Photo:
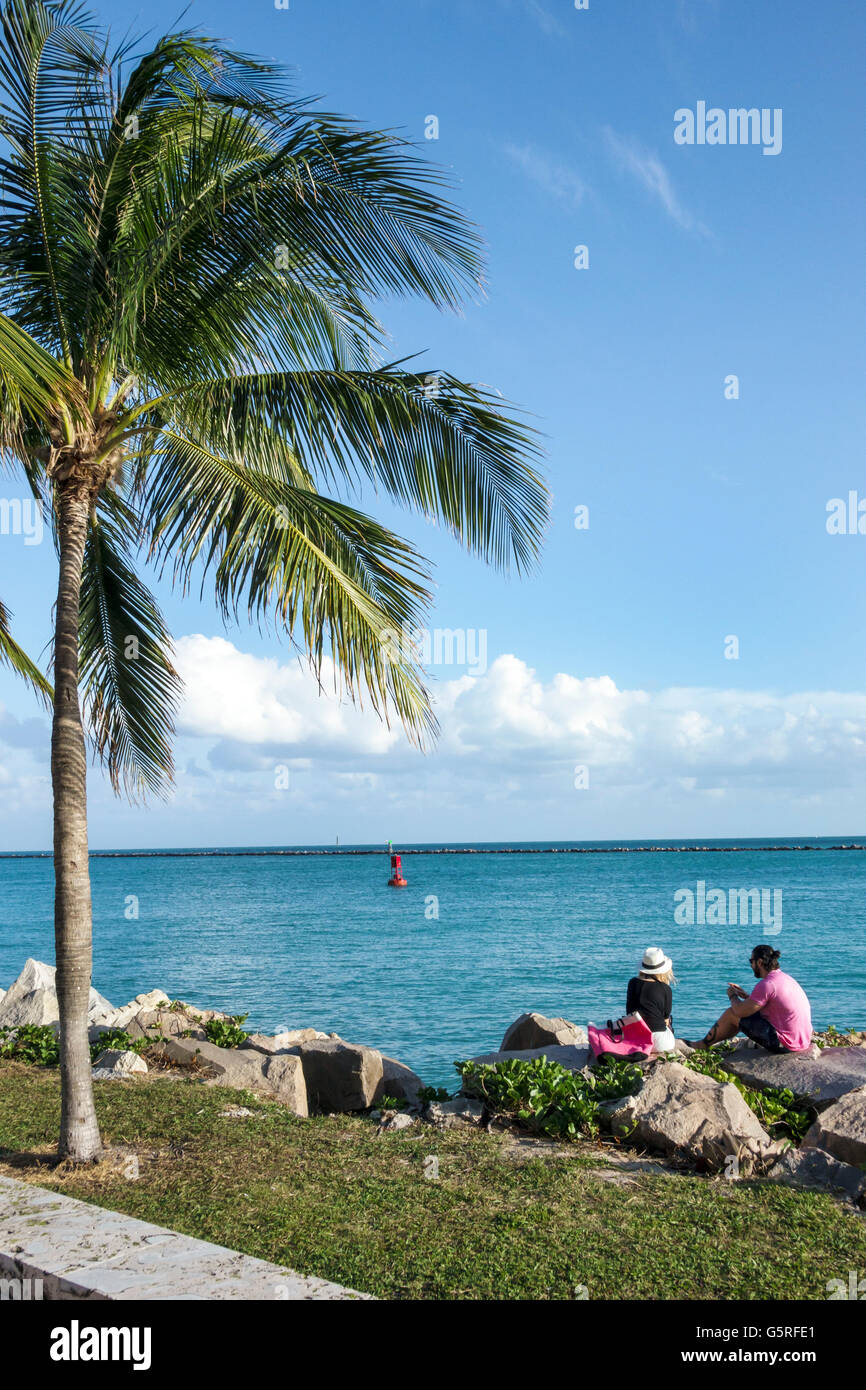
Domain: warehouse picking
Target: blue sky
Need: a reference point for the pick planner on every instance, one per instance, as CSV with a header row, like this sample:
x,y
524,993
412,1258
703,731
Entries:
x,y
706,515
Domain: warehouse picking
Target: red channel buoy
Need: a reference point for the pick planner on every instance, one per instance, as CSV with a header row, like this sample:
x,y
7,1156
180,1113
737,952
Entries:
x,y
396,880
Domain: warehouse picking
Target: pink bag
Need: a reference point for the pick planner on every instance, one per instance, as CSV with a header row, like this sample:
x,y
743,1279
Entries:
x,y
634,1039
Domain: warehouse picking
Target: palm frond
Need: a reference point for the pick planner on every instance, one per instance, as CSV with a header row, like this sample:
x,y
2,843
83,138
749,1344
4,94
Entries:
x,y
347,585
33,384
431,442
13,656
54,107
129,684
223,205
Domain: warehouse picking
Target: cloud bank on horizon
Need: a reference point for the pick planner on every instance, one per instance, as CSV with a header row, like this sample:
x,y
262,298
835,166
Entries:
x,y
259,738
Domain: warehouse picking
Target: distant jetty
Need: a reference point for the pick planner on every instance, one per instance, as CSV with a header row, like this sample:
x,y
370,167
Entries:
x,y
444,849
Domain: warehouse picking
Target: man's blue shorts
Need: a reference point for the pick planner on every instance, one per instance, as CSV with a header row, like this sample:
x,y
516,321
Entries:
x,y
761,1031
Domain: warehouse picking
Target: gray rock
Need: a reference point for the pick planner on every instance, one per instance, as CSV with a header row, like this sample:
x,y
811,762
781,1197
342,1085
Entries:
x,y
284,1078
282,1042
682,1113
341,1076
171,1023
98,1009
841,1129
572,1057
815,1168
397,1120
821,1079
37,1008
741,1044
452,1114
116,1065
127,1012
95,1030
398,1081
281,1078
535,1031
32,999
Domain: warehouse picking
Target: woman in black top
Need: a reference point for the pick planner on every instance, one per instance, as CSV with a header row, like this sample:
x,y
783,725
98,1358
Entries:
x,y
650,995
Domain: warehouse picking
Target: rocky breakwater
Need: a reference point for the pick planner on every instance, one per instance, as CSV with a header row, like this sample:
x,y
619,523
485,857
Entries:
x,y
681,1113
695,1119
305,1069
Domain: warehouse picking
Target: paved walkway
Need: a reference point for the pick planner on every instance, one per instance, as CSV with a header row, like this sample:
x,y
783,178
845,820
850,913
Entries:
x,y
84,1252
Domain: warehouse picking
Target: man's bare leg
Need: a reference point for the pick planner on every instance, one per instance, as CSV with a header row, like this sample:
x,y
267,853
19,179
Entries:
x,y
726,1027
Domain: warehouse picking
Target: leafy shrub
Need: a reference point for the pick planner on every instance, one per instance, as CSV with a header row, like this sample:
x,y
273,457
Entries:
x,y
428,1093
117,1038
615,1077
392,1103
776,1107
546,1098
226,1032
34,1043
40,1044
838,1037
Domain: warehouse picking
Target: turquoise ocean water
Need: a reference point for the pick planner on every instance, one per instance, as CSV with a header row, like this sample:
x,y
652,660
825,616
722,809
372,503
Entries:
x,y
322,941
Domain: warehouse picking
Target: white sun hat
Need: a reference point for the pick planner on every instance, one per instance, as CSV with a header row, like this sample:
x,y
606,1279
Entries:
x,y
655,962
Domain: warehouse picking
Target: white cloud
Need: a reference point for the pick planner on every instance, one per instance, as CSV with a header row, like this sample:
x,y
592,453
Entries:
x,y
679,761
548,172
522,724
545,20
646,166
256,700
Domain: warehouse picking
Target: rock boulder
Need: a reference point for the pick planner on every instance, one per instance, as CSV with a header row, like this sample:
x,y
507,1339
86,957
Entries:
x,y
32,999
116,1065
282,1042
281,1077
822,1079
815,1168
682,1113
142,1002
171,1023
341,1076
399,1081
841,1129
454,1114
534,1031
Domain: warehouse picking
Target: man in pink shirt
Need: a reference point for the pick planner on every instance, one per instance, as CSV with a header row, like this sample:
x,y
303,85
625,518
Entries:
x,y
776,1014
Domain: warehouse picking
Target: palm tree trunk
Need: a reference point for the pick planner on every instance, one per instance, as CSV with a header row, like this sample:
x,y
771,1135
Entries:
x,y
79,1131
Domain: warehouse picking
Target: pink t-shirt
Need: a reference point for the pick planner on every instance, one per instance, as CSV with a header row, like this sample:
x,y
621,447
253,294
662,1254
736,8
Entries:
x,y
784,1004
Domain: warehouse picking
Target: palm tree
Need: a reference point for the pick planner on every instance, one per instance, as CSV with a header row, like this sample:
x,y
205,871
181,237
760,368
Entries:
x,y
192,376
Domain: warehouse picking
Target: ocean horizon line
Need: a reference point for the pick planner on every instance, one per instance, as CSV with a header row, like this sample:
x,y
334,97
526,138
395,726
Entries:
x,y
672,845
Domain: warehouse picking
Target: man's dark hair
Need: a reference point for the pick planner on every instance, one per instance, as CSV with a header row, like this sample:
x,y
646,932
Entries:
x,y
766,955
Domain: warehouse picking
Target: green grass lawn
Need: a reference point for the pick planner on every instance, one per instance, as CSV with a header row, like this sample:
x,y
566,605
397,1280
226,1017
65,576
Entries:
x,y
328,1197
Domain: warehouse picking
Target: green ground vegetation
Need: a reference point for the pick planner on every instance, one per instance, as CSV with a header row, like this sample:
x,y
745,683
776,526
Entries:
x,y
429,1214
